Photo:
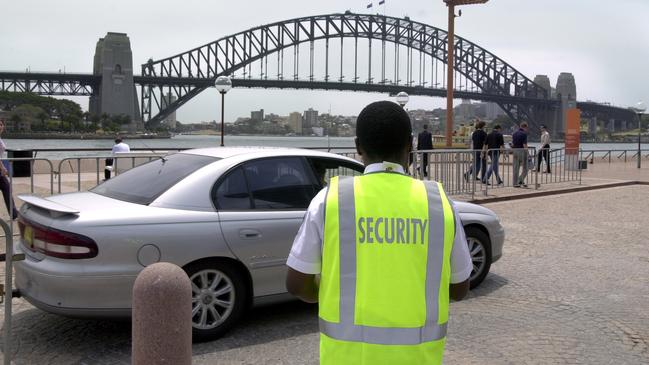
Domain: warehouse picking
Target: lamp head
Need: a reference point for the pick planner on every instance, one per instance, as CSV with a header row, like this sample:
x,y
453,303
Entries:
x,y
223,84
402,98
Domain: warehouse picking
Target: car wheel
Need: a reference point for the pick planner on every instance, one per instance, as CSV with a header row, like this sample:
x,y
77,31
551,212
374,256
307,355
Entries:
x,y
219,297
480,251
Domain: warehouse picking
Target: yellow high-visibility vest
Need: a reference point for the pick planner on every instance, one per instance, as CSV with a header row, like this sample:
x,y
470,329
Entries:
x,y
384,289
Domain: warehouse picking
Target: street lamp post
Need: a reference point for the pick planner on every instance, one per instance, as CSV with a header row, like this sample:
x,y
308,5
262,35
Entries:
x,y
402,99
450,51
640,109
223,84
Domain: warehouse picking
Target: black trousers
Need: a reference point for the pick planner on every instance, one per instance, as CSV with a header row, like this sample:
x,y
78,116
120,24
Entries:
x,y
544,153
6,194
424,164
109,162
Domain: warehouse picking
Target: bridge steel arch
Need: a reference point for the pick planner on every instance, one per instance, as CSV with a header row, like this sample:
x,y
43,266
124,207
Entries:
x,y
487,73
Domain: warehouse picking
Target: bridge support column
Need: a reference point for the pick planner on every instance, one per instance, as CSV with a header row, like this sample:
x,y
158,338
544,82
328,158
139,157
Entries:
x,y
566,92
116,95
610,127
592,126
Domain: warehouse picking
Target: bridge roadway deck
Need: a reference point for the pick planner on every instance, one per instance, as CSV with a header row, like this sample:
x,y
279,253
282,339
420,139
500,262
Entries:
x,y
570,289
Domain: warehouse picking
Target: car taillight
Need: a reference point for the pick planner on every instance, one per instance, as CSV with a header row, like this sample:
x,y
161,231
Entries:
x,y
54,242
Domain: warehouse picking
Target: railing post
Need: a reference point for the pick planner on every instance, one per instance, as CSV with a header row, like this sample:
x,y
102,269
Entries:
x,y
9,253
162,316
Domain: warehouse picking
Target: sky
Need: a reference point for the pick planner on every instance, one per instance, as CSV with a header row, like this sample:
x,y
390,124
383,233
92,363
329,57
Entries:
x,y
604,44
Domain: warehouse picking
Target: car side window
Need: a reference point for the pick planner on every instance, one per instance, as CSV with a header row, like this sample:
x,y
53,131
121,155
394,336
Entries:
x,y
232,193
279,183
326,168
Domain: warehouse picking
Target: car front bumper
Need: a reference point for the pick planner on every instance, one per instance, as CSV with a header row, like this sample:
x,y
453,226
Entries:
x,y
497,242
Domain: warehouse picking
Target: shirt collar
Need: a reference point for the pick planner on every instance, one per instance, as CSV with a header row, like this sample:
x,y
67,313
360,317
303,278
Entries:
x,y
384,166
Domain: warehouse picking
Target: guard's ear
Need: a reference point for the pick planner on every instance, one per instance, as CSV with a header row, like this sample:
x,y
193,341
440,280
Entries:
x,y
359,150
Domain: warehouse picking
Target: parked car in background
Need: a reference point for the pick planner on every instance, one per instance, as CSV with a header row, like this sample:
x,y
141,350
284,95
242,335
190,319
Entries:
x,y
227,216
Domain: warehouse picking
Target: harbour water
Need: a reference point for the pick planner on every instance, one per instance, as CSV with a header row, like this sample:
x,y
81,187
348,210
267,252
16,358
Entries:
x,y
200,141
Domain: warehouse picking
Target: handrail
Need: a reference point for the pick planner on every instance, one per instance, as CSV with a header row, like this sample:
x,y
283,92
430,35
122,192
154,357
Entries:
x,y
9,254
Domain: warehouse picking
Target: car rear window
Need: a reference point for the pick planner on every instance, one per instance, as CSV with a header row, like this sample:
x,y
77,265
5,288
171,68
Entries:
x,y
143,184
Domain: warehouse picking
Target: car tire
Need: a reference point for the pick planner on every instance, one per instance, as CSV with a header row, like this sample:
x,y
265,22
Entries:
x,y
480,251
219,297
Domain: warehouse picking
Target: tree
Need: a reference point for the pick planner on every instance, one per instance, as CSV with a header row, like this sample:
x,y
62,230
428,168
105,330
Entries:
x,y
505,122
43,117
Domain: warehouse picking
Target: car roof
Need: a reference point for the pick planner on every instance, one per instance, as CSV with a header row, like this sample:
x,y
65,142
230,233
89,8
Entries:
x,y
261,151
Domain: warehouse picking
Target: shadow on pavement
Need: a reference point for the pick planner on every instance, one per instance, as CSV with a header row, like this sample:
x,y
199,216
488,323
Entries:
x,y
266,324
493,282
40,337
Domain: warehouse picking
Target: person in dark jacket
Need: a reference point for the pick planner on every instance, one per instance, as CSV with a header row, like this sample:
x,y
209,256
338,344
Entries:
x,y
519,145
478,139
424,142
494,146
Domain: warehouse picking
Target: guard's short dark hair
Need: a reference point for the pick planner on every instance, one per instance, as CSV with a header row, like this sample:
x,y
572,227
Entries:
x,y
118,140
497,126
383,129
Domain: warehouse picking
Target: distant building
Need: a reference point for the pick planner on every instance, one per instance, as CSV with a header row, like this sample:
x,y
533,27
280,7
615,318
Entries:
x,y
493,110
466,110
257,115
310,119
170,120
295,122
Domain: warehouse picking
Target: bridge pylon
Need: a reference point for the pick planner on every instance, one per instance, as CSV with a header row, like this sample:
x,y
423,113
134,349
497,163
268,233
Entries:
x,y
116,93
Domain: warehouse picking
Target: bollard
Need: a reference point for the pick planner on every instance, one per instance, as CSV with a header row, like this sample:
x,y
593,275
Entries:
x,y
162,319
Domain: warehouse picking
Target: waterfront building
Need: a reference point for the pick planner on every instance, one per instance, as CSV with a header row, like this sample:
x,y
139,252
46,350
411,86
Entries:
x,y
295,122
257,115
310,120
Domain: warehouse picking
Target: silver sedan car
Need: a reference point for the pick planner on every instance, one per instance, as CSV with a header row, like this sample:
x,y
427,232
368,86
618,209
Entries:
x,y
227,216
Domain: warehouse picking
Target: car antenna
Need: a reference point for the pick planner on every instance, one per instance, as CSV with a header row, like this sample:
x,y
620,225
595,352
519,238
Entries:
x,y
153,151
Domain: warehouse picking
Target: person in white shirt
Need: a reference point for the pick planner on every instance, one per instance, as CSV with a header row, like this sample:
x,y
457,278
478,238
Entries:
x,y
544,152
5,185
117,148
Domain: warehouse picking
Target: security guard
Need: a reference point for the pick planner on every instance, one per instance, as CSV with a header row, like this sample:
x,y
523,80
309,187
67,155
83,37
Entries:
x,y
389,251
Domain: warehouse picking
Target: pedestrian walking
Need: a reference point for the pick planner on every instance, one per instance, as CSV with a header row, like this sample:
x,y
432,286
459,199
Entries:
x,y
5,185
519,145
494,146
544,151
478,139
424,142
119,147
381,253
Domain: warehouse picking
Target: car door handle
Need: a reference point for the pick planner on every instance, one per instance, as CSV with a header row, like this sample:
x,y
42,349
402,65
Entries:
x,y
248,234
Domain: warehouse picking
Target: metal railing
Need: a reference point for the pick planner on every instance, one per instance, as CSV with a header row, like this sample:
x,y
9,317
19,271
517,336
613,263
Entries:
x,y
468,172
612,155
453,168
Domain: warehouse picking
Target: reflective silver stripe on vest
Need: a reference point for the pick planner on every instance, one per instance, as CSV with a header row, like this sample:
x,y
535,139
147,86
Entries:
x,y
346,330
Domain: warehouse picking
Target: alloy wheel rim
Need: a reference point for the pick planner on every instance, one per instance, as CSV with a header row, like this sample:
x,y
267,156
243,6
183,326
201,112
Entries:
x,y
478,256
213,298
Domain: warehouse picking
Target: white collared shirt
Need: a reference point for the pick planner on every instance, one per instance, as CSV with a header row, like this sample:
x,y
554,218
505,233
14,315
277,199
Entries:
x,y
306,253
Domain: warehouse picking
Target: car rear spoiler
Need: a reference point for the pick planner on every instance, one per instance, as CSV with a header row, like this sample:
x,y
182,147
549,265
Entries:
x,y
54,208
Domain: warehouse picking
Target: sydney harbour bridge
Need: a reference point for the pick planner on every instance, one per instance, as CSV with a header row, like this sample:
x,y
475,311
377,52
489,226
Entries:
x,y
348,52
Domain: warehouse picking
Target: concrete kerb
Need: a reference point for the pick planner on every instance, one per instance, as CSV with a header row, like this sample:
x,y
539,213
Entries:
x,y
537,194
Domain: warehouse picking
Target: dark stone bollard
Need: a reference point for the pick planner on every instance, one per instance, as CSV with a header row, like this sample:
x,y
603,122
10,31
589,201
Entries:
x,y
162,324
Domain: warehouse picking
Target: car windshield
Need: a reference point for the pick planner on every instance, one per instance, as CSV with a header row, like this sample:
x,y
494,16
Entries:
x,y
143,184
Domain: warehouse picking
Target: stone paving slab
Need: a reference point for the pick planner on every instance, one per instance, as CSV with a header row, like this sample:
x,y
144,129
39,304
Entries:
x,y
570,289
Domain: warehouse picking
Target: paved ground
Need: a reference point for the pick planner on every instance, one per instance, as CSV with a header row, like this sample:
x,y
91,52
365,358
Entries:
x,y
570,289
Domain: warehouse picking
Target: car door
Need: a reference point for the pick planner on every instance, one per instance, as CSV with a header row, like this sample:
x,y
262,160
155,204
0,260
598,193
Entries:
x,y
261,205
